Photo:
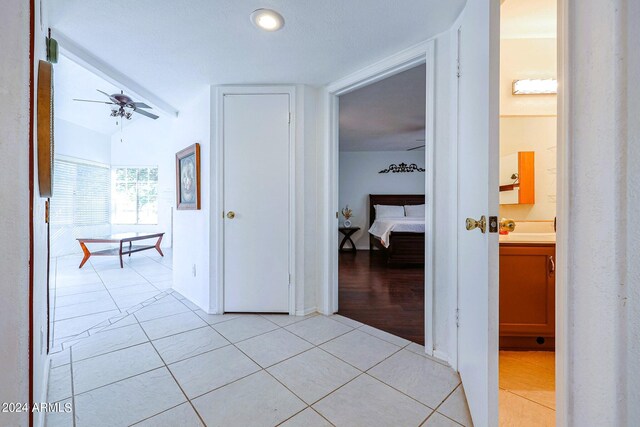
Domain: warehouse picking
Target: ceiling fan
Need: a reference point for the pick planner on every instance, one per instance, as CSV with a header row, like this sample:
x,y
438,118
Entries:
x,y
123,106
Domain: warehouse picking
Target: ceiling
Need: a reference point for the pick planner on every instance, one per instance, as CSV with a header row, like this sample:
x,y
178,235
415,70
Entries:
x,y
71,81
527,19
174,48
388,115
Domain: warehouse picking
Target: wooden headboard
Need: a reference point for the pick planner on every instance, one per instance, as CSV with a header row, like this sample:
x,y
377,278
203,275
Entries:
x,y
392,199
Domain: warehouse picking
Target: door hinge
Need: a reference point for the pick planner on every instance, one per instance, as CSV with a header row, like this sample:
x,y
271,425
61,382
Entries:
x,y
337,215
457,317
458,73
289,118
289,278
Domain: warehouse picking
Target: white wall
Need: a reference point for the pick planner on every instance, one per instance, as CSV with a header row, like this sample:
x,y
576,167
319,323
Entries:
x,y
599,352
191,236
149,143
306,191
79,143
359,176
14,219
527,59
82,143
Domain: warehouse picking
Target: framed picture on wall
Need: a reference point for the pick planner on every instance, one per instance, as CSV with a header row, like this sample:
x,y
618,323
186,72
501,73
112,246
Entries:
x,y
188,178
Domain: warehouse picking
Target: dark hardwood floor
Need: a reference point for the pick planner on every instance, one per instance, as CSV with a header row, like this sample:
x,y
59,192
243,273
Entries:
x,y
390,298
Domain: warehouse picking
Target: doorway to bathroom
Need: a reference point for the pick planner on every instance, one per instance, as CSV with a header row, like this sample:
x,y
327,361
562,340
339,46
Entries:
x,y
528,140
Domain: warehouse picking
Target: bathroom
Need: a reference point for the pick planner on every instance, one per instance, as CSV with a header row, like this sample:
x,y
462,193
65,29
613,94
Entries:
x,y
528,135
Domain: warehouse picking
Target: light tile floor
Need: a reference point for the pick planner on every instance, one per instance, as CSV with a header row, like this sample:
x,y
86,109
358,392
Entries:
x,y
527,388
82,298
171,364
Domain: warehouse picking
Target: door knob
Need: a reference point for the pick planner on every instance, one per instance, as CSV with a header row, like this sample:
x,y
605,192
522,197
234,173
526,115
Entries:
x,y
507,225
231,214
481,224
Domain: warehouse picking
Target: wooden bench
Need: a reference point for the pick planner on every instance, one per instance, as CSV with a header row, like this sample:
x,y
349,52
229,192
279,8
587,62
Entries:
x,y
121,239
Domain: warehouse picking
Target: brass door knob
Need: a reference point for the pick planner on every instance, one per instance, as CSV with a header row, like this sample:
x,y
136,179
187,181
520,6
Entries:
x,y
231,214
507,225
481,224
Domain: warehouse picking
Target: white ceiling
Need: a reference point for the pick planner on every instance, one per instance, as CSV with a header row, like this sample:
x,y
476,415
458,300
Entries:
x,y
527,19
388,115
73,81
175,48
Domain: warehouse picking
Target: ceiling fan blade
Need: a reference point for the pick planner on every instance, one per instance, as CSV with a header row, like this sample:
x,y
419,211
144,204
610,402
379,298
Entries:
x,y
89,100
146,113
140,105
114,100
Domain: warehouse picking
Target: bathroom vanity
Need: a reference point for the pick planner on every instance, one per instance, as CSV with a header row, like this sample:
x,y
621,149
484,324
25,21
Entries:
x,y
527,291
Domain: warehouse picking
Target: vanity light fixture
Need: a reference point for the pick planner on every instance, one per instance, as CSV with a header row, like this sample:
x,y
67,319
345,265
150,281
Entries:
x,y
267,19
535,87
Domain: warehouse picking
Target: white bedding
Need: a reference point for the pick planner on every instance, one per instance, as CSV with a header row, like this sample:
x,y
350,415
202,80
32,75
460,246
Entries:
x,y
381,228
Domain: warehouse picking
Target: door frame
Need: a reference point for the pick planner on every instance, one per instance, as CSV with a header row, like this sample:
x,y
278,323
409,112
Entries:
x,y
422,53
217,188
563,186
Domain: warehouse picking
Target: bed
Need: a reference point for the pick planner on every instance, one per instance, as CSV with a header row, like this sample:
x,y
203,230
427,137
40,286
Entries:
x,y
402,247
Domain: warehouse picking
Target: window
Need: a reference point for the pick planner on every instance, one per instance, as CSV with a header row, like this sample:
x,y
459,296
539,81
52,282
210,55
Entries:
x,y
134,195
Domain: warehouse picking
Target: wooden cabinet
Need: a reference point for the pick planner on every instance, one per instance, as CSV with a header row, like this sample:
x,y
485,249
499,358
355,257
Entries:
x,y
527,296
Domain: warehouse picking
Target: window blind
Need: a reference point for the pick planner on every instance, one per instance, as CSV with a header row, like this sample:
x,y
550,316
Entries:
x,y
81,194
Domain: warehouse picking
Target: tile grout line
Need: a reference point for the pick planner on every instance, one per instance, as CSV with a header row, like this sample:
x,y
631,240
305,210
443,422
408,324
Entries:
x,y
277,380
530,400
442,403
172,376
77,337
73,393
105,286
281,361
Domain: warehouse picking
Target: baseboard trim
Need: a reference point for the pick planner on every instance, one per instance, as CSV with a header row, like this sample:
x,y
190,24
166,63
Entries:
x,y
442,356
306,311
43,398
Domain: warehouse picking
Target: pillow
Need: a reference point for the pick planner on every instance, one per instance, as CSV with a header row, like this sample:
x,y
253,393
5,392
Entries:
x,y
414,211
389,211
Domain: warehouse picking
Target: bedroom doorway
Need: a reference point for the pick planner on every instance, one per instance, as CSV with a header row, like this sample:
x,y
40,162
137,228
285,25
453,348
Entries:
x,y
381,187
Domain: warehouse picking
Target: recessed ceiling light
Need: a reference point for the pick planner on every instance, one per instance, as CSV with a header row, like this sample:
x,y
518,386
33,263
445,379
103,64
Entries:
x,y
267,19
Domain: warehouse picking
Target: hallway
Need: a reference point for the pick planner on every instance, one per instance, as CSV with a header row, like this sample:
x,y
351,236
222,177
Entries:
x,y
170,363
81,298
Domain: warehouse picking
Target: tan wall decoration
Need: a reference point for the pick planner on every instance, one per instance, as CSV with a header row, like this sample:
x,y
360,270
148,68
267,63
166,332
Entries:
x,y
45,128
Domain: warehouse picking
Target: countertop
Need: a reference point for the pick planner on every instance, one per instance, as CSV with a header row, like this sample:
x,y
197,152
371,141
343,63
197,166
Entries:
x,y
529,238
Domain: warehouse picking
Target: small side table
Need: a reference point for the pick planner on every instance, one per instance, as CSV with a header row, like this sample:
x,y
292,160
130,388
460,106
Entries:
x,y
347,232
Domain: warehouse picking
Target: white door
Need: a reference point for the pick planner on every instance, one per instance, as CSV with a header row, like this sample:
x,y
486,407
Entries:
x,y
256,202
478,169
